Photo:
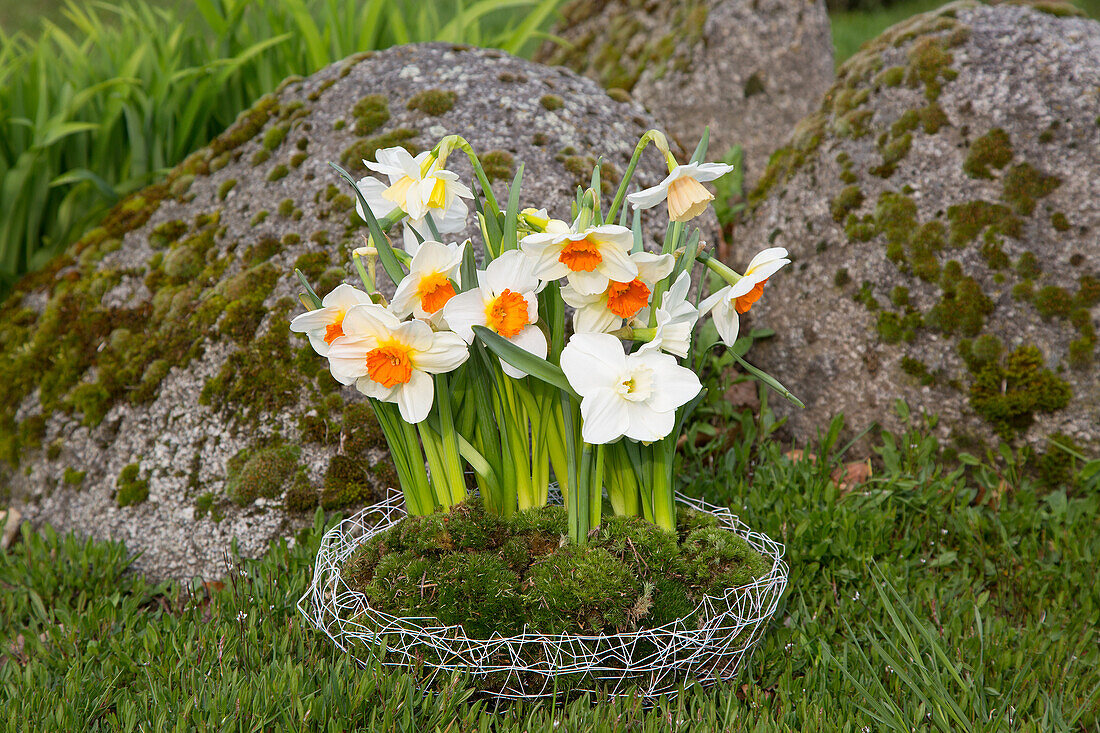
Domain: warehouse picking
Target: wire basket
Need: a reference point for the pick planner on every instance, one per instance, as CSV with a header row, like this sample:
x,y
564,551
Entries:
x,y
645,663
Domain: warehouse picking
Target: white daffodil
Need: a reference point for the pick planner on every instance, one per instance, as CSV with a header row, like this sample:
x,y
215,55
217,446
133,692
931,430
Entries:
x,y
604,312
506,302
590,257
635,395
683,189
676,318
325,324
428,287
393,361
738,298
420,187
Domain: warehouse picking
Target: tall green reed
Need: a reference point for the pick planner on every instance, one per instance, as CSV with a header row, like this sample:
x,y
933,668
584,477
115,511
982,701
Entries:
x,y
104,106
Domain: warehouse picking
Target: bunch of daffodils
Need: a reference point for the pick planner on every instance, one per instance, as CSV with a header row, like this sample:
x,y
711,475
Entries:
x,y
476,371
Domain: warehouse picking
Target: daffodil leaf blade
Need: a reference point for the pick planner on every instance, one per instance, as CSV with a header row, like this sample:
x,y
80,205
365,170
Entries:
x,y
523,360
385,251
768,380
309,290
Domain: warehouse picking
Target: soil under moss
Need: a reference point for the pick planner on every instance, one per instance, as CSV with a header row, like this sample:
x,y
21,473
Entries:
x,y
495,575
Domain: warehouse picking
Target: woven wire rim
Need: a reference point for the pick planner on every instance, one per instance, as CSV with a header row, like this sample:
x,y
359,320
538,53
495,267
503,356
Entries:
x,y
645,663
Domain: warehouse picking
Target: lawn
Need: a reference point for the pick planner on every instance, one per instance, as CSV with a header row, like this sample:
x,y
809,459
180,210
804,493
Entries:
x,y
928,597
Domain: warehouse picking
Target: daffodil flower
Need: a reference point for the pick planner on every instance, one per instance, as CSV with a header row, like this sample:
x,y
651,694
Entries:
x,y
325,324
420,187
606,311
635,395
590,257
739,297
392,361
683,189
506,302
675,318
428,287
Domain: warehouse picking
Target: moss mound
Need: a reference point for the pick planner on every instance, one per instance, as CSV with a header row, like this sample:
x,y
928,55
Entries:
x,y
495,575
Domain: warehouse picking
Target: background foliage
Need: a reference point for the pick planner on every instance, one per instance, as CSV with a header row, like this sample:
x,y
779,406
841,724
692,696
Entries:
x,y
105,102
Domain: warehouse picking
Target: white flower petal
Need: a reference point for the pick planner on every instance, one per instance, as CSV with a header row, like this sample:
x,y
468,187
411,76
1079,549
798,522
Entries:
x,y
726,321
369,320
588,283
649,197
464,311
448,351
532,340
414,398
653,267
676,385
710,171
646,424
593,361
605,417
767,255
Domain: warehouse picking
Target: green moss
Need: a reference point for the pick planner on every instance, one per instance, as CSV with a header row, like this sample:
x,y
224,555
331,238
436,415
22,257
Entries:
x,y
131,488
167,233
259,252
1059,221
74,477
619,95
259,378
1088,291
929,64
203,504
225,188
260,217
1053,301
993,149
753,85
841,278
245,294
865,296
278,172
717,559
370,113
899,296
848,199
788,160
1027,266
893,328
1008,394
260,157
346,483
312,264
264,472
980,352
1023,184
353,157
918,370
434,102
247,126
286,208
360,429
969,219
962,307
860,229
297,159
301,497
893,152
499,165
893,76
551,102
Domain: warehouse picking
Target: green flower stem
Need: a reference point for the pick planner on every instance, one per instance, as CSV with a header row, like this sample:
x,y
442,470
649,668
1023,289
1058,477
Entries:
x,y
672,240
621,481
620,194
595,488
433,451
719,268
452,142
664,509
407,457
452,464
366,277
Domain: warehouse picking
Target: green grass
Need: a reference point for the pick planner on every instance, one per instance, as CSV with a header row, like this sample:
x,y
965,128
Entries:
x,y
852,28
109,100
927,598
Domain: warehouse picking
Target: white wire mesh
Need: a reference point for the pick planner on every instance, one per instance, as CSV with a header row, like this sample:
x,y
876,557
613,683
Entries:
x,y
646,663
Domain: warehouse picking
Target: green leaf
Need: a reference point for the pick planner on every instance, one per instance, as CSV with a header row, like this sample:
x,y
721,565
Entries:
x,y
769,380
381,243
524,360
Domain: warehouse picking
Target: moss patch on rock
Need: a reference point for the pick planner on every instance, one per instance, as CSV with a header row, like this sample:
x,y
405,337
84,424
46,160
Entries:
x,y
495,575
264,472
130,488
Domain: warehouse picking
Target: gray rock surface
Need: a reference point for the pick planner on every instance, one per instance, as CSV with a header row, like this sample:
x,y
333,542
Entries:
x,y
969,136
149,388
749,70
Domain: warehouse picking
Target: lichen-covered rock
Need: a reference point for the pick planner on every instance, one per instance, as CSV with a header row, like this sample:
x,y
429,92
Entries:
x,y
942,210
749,70
150,389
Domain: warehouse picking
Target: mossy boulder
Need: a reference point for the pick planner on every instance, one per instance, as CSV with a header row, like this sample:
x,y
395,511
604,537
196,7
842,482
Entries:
x,y
747,70
942,213
161,338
